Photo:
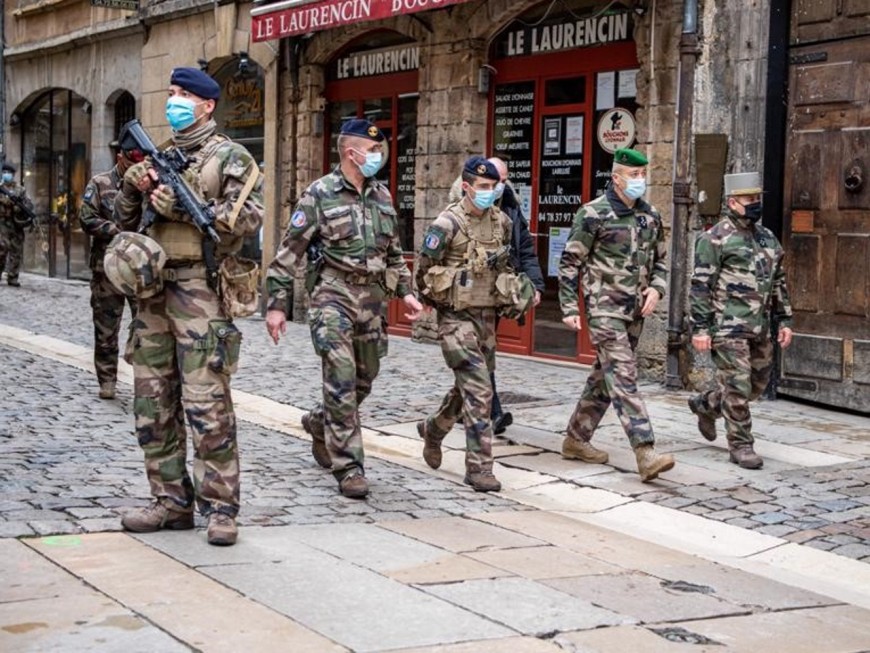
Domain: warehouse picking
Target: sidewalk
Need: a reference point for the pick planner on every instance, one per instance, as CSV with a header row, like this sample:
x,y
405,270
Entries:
x,y
568,557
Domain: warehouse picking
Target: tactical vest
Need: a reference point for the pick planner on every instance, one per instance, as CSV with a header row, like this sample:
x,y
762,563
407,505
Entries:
x,y
182,241
474,279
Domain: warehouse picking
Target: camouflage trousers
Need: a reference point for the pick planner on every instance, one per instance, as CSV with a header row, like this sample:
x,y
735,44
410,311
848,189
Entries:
x,y
743,372
11,249
613,380
183,351
349,333
468,345
107,305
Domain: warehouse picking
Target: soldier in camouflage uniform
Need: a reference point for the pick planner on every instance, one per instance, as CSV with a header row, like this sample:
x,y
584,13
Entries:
x,y
617,248
347,222
12,225
183,346
107,303
738,283
452,275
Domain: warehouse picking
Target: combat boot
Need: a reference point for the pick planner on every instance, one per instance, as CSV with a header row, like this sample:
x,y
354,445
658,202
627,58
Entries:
x,y
650,464
318,444
354,486
157,517
500,423
107,390
745,456
482,481
14,283
431,447
706,424
574,449
222,529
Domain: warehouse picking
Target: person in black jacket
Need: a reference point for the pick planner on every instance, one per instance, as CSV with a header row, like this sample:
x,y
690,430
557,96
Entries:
x,y
523,259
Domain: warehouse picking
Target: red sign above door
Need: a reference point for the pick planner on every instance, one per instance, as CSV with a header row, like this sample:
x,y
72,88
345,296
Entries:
x,y
304,16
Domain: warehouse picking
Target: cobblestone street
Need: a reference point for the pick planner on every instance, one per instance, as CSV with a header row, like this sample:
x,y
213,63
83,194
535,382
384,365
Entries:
x,y
826,506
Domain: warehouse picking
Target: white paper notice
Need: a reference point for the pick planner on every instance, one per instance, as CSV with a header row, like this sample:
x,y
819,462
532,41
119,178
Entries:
x,y
558,238
574,135
628,83
525,194
604,95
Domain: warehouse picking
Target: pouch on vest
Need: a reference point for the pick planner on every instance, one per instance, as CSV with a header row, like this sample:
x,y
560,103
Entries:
x,y
239,281
180,240
438,282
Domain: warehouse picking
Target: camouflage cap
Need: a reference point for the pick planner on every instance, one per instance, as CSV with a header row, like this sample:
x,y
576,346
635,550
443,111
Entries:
x,y
631,158
743,183
133,264
522,292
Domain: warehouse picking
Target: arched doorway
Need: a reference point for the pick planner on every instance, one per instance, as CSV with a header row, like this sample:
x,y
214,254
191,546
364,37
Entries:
x,y
240,115
56,131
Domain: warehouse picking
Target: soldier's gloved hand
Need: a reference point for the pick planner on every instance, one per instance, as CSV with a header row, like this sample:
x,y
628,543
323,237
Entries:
x,y
163,200
5,201
139,177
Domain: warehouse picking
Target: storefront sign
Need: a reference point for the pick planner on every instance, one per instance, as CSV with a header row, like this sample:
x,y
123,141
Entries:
x,y
243,103
294,17
565,35
616,129
126,5
376,62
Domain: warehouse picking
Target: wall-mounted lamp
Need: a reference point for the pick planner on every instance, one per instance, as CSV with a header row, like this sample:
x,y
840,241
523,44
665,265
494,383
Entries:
x,y
640,7
203,65
244,64
14,119
484,76
86,108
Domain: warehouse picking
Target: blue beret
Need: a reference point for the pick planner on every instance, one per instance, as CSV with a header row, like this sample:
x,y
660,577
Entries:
x,y
630,158
480,167
362,128
8,166
197,82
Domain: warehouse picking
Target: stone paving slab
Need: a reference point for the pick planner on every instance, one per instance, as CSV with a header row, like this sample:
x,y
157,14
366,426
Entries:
x,y
143,580
631,638
508,645
527,606
542,562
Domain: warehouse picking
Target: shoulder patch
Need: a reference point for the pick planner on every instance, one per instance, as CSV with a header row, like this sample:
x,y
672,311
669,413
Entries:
x,y
89,193
298,219
432,241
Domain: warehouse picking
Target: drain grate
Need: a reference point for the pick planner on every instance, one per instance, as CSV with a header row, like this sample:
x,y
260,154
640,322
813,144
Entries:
x,y
683,636
509,398
684,586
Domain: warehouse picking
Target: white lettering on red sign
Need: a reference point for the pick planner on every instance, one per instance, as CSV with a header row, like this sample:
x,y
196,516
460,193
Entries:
x,y
334,13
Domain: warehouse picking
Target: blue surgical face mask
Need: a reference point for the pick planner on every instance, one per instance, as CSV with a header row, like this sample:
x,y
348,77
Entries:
x,y
483,199
8,177
372,164
499,190
180,112
634,188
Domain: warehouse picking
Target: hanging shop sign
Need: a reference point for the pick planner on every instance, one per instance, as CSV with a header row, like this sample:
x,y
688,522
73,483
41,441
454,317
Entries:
x,y
294,17
384,61
616,129
568,33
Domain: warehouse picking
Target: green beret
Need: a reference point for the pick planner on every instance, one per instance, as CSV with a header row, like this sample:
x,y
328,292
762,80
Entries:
x,y
629,157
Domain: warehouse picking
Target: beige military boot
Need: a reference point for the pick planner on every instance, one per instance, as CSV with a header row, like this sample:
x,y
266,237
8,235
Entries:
x,y
157,517
482,481
574,449
650,464
431,447
744,455
318,444
354,486
107,390
222,529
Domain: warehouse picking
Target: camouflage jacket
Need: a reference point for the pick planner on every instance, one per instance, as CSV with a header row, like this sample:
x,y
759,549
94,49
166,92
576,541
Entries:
x,y
96,213
358,234
8,210
619,252
220,168
738,281
446,241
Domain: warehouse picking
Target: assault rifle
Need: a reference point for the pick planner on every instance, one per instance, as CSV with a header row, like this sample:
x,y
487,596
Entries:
x,y
21,205
170,165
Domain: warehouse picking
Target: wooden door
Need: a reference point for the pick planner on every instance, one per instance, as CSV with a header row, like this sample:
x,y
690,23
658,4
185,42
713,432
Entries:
x,y
826,231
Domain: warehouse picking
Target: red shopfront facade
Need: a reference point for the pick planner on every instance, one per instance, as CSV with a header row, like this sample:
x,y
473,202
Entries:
x,y
562,99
